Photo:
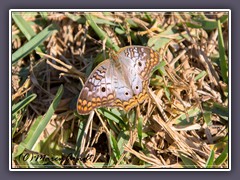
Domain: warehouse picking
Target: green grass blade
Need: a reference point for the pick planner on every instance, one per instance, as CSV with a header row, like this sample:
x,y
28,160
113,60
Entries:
x,y
114,145
200,75
191,114
223,61
20,105
110,115
23,25
188,163
44,15
33,43
123,138
210,160
39,125
222,157
205,23
218,109
102,35
80,136
157,42
139,128
207,116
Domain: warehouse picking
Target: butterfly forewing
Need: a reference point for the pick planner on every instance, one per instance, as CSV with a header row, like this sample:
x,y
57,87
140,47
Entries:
x,y
97,90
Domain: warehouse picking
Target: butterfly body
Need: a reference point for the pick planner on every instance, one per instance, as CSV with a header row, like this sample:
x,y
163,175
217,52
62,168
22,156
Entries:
x,y
119,82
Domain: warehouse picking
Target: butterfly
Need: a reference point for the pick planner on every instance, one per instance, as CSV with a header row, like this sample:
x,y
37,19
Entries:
x,y
121,81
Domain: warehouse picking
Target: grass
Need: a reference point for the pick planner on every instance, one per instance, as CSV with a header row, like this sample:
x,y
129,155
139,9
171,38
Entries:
x,y
183,124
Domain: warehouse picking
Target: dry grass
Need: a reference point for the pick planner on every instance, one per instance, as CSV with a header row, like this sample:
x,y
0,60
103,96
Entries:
x,y
184,123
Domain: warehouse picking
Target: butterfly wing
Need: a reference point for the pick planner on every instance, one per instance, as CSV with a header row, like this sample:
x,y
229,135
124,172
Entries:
x,y
97,90
103,88
137,62
139,59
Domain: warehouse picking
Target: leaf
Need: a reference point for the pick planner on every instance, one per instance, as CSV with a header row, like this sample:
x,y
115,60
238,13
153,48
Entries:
x,y
222,157
102,35
23,25
123,138
110,115
39,125
159,41
80,136
188,163
114,145
218,109
139,128
33,43
223,61
183,119
200,75
20,105
207,117
205,23
210,160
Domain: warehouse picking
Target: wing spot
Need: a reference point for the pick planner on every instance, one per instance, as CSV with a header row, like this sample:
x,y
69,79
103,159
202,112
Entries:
x,y
79,101
89,104
139,64
79,108
104,99
86,109
98,99
84,102
110,97
103,89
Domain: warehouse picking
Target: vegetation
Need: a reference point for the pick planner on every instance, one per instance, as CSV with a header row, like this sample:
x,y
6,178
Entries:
x,y
183,124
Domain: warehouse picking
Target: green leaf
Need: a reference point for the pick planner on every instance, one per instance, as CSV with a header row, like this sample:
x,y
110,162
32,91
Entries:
x,y
44,15
120,31
123,138
222,157
200,75
188,163
207,117
210,160
49,146
131,23
218,109
205,23
80,136
20,105
23,25
39,125
158,42
102,35
78,19
33,43
110,115
223,61
139,128
114,145
167,93
183,119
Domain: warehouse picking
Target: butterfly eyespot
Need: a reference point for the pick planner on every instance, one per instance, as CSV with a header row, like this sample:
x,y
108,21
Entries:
x,y
126,93
139,64
103,89
136,87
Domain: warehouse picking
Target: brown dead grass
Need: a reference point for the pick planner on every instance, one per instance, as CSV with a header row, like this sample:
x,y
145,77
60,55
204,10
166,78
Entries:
x,y
68,56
